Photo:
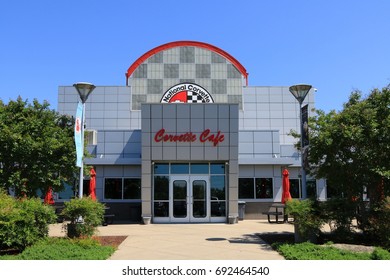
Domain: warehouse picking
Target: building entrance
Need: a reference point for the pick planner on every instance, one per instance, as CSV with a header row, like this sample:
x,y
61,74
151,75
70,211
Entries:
x,y
189,199
189,192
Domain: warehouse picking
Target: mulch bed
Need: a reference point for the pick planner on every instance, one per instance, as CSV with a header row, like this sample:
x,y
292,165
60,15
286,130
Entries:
x,y
113,241
9,251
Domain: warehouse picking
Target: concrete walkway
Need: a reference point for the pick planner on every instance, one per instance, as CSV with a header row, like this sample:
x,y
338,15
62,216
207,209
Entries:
x,y
191,241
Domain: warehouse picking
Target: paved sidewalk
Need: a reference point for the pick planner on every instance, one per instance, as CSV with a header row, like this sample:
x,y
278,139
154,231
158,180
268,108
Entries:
x,y
191,241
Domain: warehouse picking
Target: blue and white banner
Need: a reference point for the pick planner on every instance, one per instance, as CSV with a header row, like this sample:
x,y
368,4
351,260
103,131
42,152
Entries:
x,y
78,136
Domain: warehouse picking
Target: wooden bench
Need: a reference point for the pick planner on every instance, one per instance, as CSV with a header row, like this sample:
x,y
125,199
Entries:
x,y
108,219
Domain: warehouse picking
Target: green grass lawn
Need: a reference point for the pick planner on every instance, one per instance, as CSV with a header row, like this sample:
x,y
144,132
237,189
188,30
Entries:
x,y
56,248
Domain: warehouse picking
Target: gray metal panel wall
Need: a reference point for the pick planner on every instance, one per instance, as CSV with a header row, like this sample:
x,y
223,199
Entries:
x,y
272,108
108,107
118,144
179,119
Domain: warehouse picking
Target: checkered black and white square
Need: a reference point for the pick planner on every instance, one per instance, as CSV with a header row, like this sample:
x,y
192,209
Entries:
x,y
193,97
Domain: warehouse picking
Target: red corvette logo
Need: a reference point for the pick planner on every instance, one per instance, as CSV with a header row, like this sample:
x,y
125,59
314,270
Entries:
x,y
187,93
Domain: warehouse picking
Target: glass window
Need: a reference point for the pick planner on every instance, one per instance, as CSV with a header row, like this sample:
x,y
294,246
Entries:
x,y
132,188
295,188
311,189
218,208
161,187
264,188
67,193
218,191
199,168
217,168
161,209
180,168
161,168
161,196
113,188
199,188
217,188
246,188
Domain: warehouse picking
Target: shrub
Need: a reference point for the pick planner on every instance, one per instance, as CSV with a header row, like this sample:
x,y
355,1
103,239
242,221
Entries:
x,y
380,254
23,222
307,221
379,226
84,214
309,251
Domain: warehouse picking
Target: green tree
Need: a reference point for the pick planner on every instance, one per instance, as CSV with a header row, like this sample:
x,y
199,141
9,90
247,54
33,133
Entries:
x,y
351,148
36,147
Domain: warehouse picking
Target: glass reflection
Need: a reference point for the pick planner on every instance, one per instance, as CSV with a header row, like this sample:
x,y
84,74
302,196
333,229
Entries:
x,y
161,209
161,168
199,207
180,199
199,168
217,168
161,187
217,187
180,168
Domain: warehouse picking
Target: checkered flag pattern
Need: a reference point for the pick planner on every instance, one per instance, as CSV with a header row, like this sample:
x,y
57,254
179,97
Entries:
x,y
193,97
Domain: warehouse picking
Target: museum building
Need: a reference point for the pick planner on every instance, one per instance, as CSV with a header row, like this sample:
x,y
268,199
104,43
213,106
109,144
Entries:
x,y
187,139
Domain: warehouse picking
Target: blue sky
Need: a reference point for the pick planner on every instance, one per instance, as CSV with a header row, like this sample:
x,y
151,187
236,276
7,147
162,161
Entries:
x,y
337,46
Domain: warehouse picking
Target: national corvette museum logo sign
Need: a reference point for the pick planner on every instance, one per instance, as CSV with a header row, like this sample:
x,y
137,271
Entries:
x,y
187,93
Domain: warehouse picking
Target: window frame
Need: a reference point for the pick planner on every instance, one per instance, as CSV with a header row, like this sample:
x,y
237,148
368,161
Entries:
x,y
254,198
122,190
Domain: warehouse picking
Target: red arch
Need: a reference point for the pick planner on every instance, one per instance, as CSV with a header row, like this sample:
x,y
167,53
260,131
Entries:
x,y
171,45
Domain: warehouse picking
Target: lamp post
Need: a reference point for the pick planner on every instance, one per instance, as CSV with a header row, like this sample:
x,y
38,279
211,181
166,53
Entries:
x,y
84,90
300,92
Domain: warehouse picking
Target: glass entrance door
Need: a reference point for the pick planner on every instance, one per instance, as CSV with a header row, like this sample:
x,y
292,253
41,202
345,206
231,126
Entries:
x,y
189,199
180,199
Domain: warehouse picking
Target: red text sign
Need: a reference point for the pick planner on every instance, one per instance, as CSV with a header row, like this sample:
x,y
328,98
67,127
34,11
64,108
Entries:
x,y
205,136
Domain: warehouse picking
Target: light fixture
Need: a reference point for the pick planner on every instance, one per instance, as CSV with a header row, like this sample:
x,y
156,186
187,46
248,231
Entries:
x,y
299,92
84,90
